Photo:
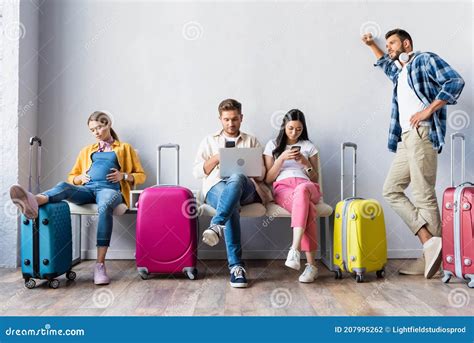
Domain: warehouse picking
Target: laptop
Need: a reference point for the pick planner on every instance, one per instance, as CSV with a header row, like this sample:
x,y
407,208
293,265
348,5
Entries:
x,y
247,161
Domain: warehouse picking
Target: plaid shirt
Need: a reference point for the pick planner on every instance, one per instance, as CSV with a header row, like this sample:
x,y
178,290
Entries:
x,y
432,79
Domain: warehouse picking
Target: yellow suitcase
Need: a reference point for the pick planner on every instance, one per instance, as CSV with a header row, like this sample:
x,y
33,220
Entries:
x,y
359,242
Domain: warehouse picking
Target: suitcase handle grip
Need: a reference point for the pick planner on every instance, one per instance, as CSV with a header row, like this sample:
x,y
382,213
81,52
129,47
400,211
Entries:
x,y
33,140
158,161
354,162
349,145
169,145
463,156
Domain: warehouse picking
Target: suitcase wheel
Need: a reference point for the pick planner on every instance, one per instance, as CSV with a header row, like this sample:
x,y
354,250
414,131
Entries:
x,y
359,278
70,275
30,284
143,275
191,274
338,275
380,273
446,278
53,283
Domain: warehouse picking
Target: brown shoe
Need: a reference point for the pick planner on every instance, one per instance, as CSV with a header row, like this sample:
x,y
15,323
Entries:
x,y
414,267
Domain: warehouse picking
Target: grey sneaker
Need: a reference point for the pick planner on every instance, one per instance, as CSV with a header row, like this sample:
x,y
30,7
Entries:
x,y
100,275
211,235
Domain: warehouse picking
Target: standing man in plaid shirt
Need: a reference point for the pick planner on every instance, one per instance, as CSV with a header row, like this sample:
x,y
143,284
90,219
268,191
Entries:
x,y
423,85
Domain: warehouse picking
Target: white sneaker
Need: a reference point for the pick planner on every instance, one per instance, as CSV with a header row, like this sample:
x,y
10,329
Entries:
x,y
293,259
310,273
211,235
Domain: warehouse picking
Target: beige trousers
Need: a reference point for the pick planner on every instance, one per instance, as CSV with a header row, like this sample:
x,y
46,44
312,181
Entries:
x,y
415,164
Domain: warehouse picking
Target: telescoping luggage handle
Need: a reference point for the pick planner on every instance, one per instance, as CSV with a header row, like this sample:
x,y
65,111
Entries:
x,y
158,161
34,140
343,147
463,157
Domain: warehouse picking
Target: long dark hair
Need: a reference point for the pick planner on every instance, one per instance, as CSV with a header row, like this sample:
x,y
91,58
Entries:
x,y
103,118
282,139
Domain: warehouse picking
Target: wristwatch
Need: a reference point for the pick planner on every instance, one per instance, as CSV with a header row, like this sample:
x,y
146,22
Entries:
x,y
309,170
125,176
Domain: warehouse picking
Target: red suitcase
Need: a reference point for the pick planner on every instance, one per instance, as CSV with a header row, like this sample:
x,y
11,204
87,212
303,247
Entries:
x,y
166,236
458,225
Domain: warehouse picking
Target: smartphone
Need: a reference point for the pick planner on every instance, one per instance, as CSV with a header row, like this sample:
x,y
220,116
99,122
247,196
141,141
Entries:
x,y
296,148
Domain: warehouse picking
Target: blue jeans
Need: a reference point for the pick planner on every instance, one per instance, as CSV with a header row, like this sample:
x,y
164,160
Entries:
x,y
226,197
107,199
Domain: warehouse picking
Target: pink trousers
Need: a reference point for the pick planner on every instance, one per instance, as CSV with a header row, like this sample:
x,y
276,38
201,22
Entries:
x,y
299,197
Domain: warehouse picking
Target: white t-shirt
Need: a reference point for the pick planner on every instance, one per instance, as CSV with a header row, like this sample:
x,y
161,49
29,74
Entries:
x,y
408,102
292,168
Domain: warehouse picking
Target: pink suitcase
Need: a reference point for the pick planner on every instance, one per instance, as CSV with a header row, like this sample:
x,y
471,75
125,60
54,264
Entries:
x,y
166,236
458,225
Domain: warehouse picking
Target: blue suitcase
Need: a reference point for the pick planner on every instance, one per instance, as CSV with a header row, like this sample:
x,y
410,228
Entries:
x,y
46,242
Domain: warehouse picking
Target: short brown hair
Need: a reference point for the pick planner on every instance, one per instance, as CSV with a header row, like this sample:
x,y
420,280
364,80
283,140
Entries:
x,y
402,34
230,105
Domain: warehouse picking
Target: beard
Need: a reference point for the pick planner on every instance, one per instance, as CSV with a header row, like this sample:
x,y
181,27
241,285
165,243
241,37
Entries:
x,y
397,54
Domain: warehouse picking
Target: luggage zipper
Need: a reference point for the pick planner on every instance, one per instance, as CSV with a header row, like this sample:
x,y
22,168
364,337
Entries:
x,y
344,233
36,248
457,230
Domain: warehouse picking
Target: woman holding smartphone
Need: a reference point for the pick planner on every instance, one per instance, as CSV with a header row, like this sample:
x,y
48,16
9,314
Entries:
x,y
291,165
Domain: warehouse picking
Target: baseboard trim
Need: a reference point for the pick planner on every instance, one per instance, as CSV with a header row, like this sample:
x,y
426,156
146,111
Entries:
x,y
111,254
251,255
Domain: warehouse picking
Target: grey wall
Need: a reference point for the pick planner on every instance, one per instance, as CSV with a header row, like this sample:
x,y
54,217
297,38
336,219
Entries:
x,y
19,68
9,81
161,68
28,87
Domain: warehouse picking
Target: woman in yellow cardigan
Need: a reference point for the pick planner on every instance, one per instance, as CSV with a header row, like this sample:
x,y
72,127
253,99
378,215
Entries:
x,y
103,173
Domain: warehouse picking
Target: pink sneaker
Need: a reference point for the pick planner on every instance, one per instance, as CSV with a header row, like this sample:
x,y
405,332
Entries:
x,y
100,275
25,201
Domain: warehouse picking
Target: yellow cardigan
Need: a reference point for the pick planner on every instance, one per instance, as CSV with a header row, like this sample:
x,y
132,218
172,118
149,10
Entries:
x,y
128,161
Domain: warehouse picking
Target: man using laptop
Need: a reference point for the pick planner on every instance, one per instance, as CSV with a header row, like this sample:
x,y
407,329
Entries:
x,y
227,194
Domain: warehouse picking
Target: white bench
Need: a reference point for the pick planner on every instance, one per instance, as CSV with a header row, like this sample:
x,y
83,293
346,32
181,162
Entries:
x,y
91,210
271,210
